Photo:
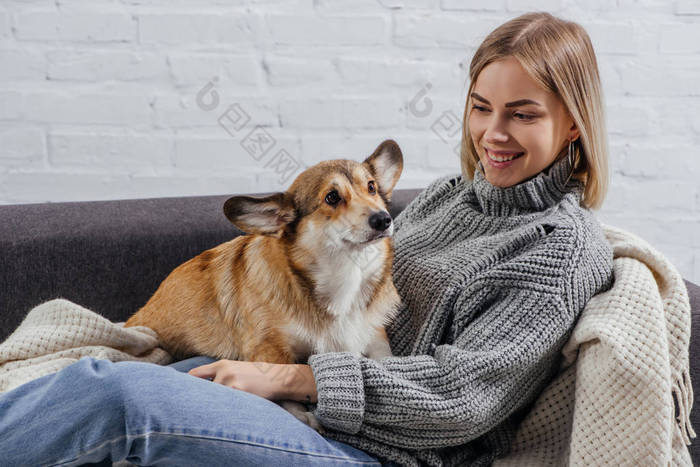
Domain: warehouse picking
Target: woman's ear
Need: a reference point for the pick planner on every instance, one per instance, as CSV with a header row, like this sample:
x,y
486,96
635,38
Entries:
x,y
574,134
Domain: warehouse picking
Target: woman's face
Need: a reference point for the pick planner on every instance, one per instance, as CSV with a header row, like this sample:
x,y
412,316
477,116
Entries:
x,y
518,128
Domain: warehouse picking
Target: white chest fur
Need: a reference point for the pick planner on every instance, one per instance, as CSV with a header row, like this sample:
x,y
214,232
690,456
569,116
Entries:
x,y
343,281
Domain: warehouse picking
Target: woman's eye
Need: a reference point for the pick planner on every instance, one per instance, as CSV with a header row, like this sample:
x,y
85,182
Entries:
x,y
521,116
371,187
480,108
332,198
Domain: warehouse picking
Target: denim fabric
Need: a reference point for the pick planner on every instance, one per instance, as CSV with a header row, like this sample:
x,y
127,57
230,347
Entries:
x,y
148,414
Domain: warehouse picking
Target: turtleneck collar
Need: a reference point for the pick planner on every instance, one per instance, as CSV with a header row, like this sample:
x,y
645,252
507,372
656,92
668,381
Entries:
x,y
537,194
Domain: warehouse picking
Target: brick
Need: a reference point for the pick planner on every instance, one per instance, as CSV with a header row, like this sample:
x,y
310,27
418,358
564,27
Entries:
x,y
202,4
671,196
609,76
343,7
284,6
219,151
109,107
674,119
650,6
332,30
115,151
626,119
668,77
183,111
41,187
102,65
415,4
319,147
282,71
197,69
441,155
202,185
22,146
687,7
435,114
22,64
473,5
526,5
660,228
612,38
361,112
75,25
5,28
11,105
199,28
680,38
379,73
448,31
694,121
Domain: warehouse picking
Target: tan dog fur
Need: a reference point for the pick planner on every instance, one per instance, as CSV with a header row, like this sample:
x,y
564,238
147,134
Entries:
x,y
298,283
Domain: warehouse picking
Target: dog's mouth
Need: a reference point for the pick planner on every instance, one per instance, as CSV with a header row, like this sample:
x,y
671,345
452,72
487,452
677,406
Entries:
x,y
371,239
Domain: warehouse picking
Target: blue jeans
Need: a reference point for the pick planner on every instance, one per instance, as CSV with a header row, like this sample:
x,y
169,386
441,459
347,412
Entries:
x,y
94,410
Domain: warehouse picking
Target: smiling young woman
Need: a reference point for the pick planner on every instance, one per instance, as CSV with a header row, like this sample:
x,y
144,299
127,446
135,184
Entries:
x,y
534,98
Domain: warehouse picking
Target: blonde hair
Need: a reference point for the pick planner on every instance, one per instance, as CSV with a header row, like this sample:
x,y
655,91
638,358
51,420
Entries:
x,y
559,56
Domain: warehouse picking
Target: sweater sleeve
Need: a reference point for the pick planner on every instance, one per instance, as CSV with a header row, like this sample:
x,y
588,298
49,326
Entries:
x,y
497,364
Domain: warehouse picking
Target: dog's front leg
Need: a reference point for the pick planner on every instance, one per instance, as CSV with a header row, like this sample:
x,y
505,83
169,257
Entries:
x,y
379,346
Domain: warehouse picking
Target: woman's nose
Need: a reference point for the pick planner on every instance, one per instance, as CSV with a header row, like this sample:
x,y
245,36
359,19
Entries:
x,y
495,131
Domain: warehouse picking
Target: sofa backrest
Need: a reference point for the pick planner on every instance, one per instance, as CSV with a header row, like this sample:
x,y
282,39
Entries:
x,y
110,256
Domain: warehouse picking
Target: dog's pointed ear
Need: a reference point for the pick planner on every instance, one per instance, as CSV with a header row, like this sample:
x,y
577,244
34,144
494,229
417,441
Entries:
x,y
386,164
260,215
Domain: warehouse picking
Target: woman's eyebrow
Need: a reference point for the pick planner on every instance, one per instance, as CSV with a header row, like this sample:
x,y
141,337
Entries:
x,y
479,98
522,102
509,104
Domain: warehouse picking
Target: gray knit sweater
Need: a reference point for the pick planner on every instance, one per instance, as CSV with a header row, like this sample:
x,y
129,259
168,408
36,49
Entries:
x,y
492,281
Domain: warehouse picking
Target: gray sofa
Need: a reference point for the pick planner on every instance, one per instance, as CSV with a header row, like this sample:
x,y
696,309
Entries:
x,y
110,256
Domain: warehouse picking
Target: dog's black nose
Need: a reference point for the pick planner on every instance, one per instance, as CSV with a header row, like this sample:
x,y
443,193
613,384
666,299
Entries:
x,y
380,221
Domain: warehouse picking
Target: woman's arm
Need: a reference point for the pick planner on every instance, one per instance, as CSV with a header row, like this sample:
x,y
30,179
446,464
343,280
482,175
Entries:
x,y
496,365
269,380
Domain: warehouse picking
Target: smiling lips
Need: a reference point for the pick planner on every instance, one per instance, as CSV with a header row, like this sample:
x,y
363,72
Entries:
x,y
502,156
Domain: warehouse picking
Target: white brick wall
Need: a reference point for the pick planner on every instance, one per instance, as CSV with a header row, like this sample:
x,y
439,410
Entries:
x,y
107,99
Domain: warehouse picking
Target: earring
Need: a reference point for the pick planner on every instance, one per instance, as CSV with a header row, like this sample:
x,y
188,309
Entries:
x,y
571,153
572,160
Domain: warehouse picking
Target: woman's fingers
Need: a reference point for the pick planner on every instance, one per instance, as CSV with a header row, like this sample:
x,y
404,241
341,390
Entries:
x,y
207,371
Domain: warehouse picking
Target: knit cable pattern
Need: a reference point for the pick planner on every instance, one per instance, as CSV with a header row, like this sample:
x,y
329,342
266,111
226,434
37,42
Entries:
x,y
492,282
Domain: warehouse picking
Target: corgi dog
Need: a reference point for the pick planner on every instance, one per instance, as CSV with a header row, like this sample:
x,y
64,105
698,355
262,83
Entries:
x,y
311,275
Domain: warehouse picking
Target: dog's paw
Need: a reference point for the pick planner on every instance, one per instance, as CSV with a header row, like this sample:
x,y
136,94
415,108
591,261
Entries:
x,y
299,411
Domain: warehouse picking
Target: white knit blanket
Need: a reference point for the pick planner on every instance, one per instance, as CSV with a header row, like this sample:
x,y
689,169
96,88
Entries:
x,y
612,402
57,333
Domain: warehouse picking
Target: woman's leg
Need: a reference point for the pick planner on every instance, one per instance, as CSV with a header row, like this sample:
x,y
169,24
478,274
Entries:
x,y
184,366
149,414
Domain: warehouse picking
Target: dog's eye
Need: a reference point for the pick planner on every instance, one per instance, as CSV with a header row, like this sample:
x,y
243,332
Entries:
x,y
371,187
332,198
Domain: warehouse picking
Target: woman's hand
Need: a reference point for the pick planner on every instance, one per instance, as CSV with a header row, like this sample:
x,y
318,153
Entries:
x,y
269,380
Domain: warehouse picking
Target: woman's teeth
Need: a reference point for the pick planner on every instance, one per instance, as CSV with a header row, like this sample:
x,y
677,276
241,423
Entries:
x,y
503,158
